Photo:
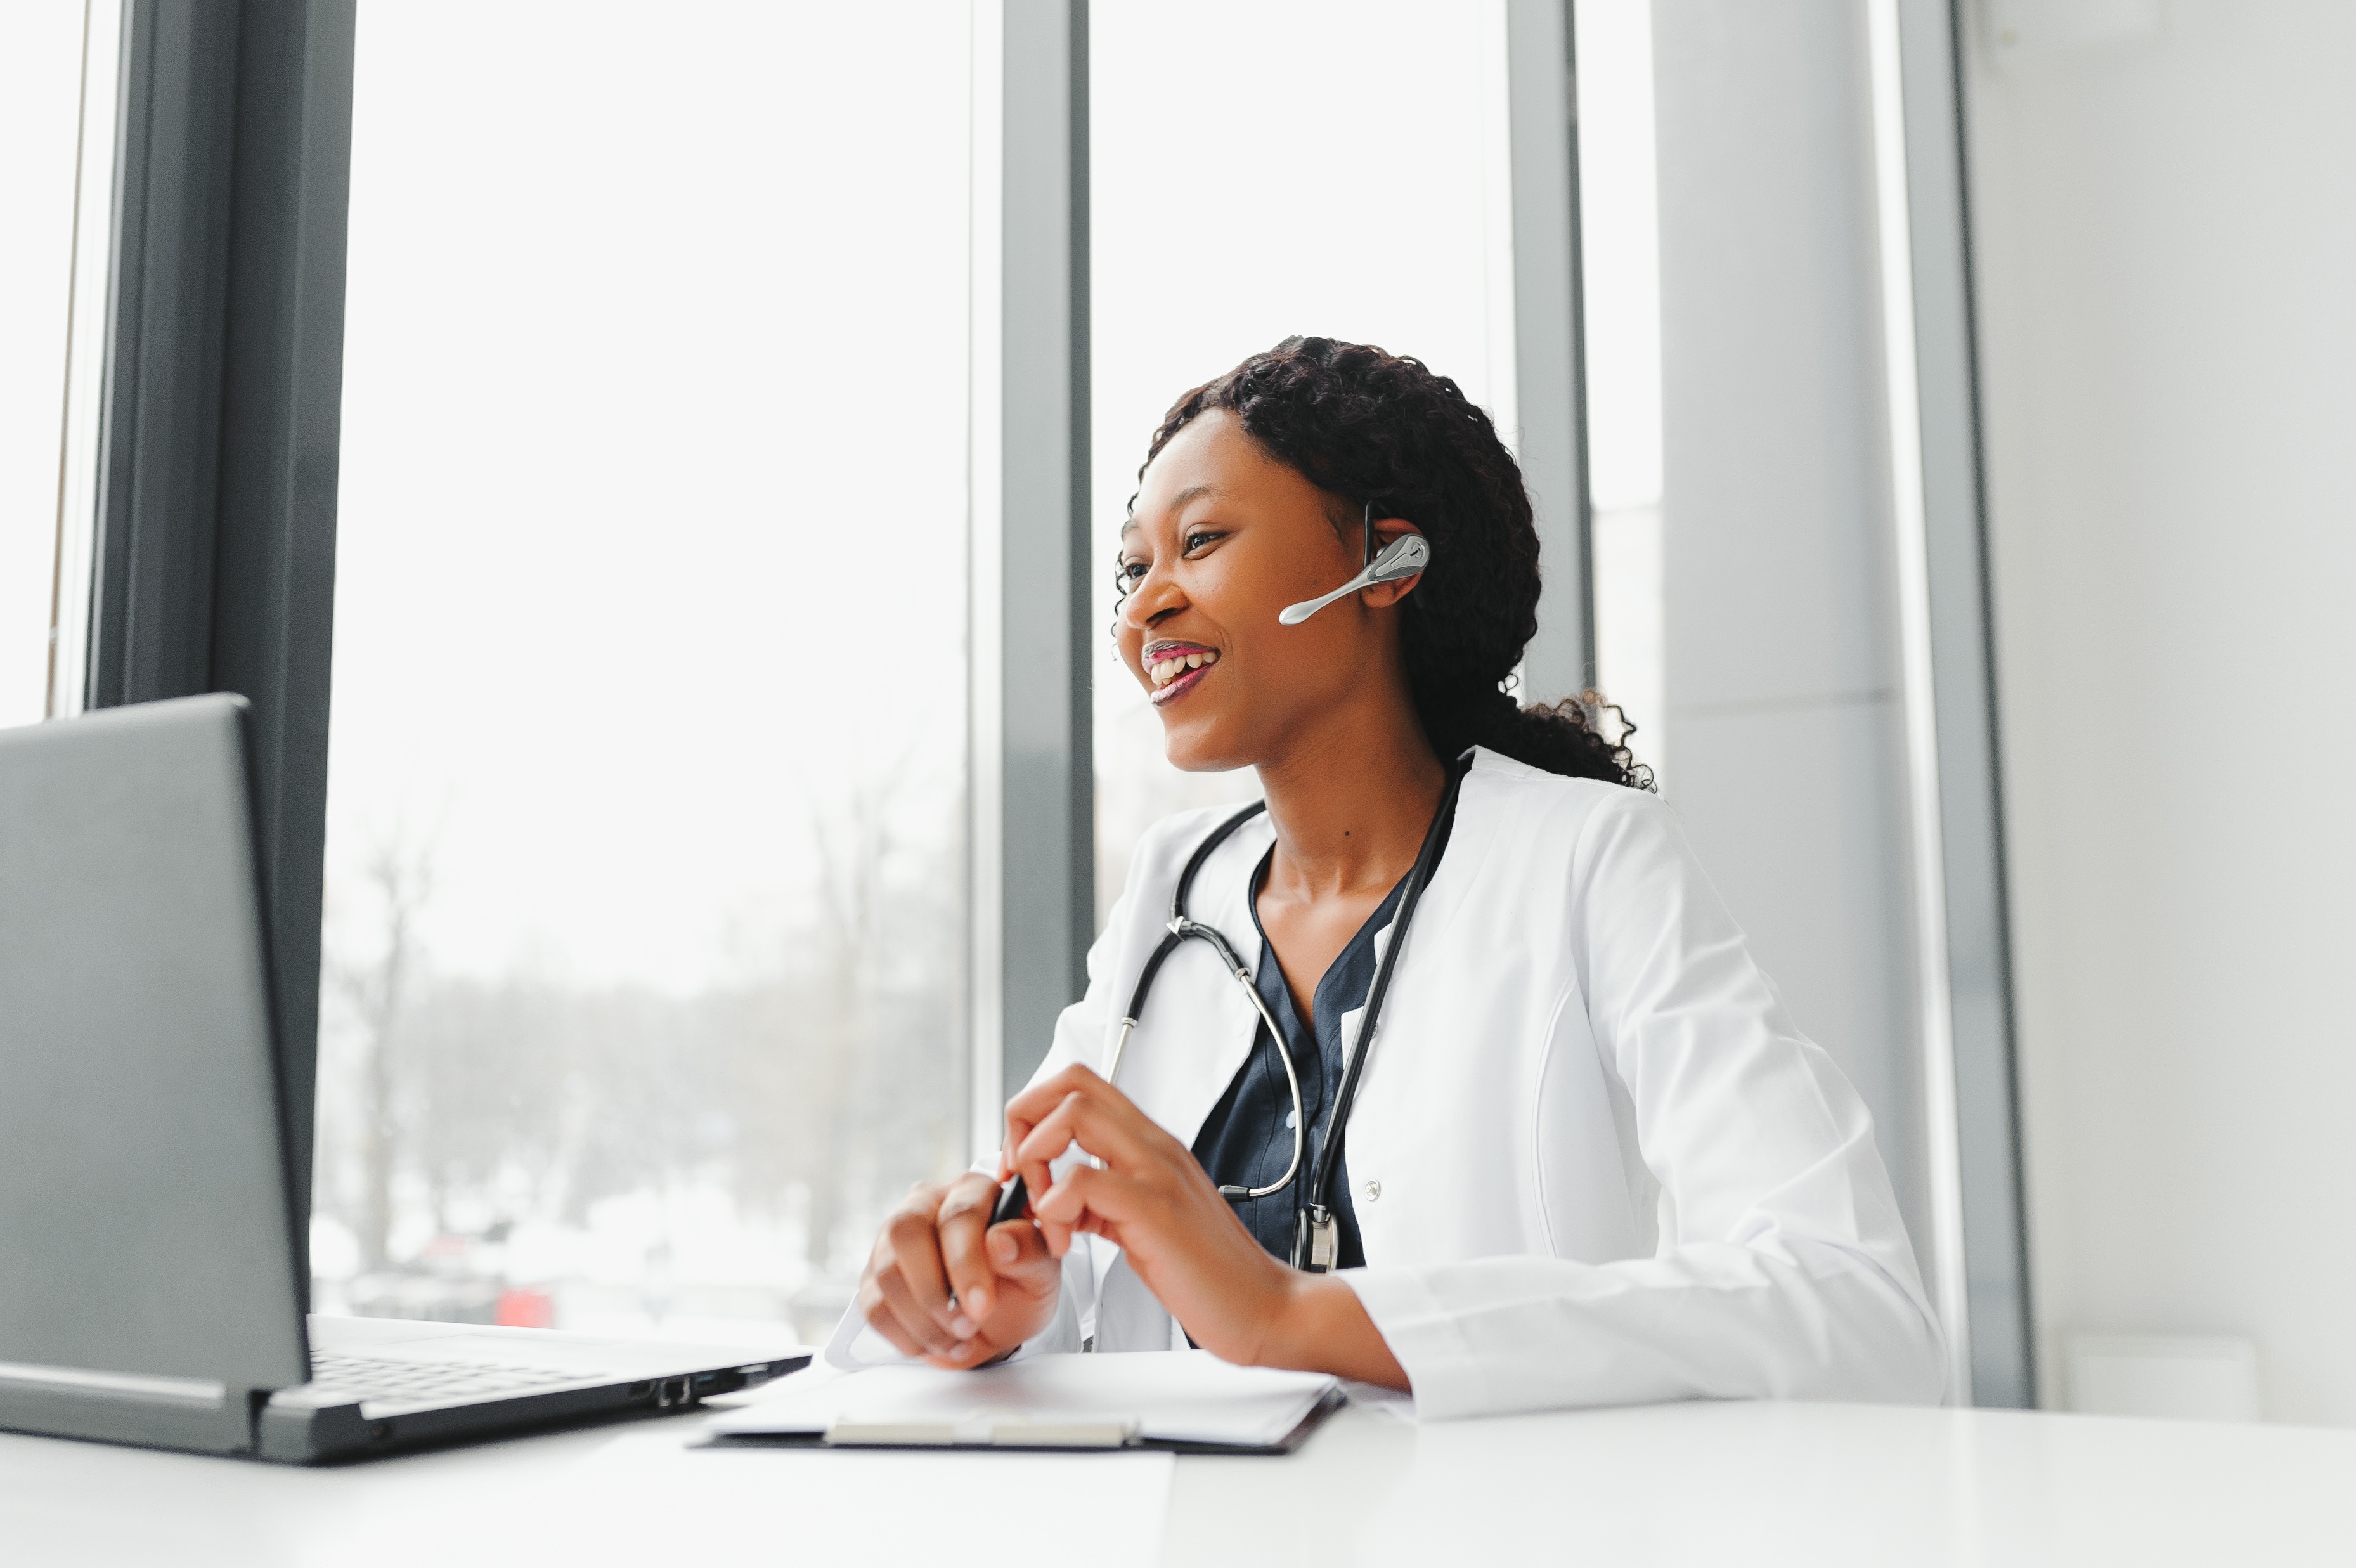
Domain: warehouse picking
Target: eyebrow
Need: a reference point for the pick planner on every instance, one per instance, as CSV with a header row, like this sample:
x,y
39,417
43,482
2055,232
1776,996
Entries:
x,y
1177,503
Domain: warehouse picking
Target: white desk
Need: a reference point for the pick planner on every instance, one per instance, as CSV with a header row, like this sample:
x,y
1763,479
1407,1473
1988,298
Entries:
x,y
1716,1484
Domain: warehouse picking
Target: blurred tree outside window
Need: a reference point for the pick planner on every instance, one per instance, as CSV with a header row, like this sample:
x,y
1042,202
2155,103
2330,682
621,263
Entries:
x,y
643,992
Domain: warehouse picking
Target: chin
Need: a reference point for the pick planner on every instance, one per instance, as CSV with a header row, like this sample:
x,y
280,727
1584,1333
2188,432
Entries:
x,y
1189,750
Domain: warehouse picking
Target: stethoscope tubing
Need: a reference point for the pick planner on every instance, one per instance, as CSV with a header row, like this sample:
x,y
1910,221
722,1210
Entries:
x,y
1179,929
1337,1120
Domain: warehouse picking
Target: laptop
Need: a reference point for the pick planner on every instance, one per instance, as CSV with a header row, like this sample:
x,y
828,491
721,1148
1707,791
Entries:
x,y
151,1240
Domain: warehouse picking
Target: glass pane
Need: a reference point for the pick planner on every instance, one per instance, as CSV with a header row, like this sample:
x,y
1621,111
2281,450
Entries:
x,y
643,992
1238,200
1620,262
40,104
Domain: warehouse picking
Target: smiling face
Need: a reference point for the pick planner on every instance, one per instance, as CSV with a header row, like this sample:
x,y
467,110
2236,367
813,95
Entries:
x,y
1222,538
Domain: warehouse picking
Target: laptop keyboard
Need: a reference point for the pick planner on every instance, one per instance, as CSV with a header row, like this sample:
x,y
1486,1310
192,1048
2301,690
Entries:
x,y
422,1382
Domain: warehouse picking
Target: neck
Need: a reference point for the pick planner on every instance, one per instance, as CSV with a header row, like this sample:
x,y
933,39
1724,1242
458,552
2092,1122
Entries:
x,y
1352,800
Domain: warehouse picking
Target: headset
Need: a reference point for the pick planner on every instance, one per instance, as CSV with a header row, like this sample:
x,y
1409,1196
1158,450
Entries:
x,y
1316,1244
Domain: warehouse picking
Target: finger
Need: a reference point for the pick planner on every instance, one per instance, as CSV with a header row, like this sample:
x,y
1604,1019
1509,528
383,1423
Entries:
x,y
970,1354
1102,1120
917,1247
915,1284
1056,1238
1084,1207
1023,1112
965,1217
1086,1194
1100,1202
1019,1256
885,1321
931,1335
1048,1140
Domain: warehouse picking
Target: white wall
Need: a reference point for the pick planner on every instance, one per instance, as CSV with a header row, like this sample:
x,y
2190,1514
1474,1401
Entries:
x,y
2165,251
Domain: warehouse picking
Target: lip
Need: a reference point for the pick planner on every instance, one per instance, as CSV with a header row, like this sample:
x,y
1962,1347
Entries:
x,y
1154,652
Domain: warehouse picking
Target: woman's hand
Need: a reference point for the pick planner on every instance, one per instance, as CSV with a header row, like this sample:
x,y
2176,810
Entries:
x,y
939,1243
1154,1201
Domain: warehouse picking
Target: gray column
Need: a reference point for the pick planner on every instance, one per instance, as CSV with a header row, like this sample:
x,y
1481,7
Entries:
x,y
1971,829
1044,906
1784,668
1560,660
216,520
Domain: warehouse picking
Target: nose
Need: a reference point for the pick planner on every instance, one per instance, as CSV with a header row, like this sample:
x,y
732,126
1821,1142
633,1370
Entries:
x,y
1152,598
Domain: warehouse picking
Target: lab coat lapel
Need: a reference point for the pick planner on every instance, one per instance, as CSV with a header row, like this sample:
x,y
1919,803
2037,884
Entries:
x,y
1470,841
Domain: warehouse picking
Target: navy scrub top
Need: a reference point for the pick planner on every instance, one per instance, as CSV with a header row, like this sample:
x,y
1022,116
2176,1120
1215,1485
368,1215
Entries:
x,y
1246,1141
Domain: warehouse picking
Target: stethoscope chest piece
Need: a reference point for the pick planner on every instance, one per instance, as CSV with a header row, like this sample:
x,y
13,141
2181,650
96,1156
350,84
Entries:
x,y
1316,1240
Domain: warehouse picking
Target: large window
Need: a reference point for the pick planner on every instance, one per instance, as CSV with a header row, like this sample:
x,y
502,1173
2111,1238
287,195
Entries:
x,y
44,483
1337,167
643,987
1620,255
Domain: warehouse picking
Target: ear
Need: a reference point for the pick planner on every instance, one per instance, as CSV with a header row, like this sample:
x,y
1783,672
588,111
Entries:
x,y
1382,595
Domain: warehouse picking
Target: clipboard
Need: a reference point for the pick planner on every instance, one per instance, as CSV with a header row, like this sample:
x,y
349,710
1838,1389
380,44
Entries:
x,y
1184,1401
1025,1437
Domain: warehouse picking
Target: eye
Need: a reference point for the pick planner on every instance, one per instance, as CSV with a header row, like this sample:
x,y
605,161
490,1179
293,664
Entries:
x,y
1131,570
1199,538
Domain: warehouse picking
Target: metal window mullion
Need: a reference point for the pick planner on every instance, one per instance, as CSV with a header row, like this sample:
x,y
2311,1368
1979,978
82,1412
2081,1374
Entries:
x,y
159,447
1035,818
1967,962
275,582
220,416
1549,355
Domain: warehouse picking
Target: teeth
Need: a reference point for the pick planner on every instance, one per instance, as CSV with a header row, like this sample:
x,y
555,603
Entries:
x,y
1162,671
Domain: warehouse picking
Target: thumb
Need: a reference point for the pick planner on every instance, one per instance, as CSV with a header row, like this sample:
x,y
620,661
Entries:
x,y
1018,1254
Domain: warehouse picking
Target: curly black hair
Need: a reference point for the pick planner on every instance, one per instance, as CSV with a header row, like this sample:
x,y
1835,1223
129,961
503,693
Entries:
x,y
1367,427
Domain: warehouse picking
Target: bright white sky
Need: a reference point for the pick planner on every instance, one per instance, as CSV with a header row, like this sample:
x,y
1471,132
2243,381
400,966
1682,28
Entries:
x,y
1619,252
654,441
653,491
1341,168
1260,170
653,484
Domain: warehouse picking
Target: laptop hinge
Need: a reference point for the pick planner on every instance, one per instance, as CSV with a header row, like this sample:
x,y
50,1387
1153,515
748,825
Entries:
x,y
119,1407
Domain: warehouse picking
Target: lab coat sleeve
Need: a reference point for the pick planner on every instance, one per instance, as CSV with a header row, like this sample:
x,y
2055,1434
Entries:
x,y
1783,1270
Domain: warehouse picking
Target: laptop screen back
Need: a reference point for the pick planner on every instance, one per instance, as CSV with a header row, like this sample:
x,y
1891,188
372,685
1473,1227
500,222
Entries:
x,y
145,1222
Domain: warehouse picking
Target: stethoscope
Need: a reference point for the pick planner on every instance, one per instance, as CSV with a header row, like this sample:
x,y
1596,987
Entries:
x,y
1316,1244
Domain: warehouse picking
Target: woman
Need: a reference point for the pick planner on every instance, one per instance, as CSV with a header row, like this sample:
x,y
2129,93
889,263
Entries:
x,y
1589,1159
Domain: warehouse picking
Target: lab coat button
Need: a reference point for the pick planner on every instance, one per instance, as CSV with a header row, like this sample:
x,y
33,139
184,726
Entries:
x,y
1374,1190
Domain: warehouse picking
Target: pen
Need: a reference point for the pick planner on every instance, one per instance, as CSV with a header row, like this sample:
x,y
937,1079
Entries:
x,y
1012,1199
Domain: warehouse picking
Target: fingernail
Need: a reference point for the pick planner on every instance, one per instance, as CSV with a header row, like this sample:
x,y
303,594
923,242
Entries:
x,y
961,1326
1002,1248
977,1301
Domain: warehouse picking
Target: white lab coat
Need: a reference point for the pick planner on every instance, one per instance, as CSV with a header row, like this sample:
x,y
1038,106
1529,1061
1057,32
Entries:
x,y
1593,1161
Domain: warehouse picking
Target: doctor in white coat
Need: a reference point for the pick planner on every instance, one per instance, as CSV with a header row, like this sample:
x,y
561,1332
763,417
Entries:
x,y
1590,1158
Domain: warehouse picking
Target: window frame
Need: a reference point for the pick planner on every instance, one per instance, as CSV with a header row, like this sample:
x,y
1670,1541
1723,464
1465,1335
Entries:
x,y
214,539
213,544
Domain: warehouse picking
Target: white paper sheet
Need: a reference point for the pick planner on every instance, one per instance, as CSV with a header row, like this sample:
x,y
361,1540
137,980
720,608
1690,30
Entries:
x,y
1185,1396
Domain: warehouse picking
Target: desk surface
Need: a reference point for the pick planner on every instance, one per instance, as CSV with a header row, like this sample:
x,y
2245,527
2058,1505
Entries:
x,y
1676,1484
